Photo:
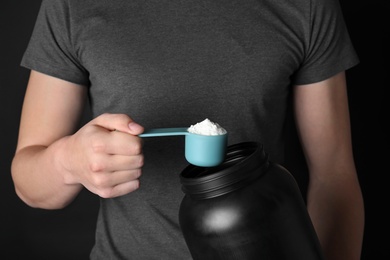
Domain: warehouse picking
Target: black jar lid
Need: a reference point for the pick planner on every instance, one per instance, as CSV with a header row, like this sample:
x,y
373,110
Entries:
x,y
244,163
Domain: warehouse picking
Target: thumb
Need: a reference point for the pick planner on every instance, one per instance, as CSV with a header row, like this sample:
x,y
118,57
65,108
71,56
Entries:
x,y
119,122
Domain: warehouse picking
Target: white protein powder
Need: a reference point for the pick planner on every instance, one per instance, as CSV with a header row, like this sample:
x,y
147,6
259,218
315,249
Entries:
x,y
206,127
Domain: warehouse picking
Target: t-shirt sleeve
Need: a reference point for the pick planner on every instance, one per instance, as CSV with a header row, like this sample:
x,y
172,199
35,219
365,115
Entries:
x,y
328,47
51,50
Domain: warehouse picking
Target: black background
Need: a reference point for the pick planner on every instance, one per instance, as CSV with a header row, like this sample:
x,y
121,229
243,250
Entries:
x,y
69,233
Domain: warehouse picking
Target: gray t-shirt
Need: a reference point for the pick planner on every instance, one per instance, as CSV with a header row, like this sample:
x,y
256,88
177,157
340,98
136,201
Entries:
x,y
173,63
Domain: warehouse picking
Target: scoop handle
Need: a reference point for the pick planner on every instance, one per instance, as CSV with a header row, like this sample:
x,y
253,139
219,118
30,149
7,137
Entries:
x,y
165,132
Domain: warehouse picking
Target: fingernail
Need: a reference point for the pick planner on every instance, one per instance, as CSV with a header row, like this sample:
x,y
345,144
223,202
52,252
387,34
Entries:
x,y
134,127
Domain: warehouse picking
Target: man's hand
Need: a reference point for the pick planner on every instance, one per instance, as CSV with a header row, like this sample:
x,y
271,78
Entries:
x,y
105,156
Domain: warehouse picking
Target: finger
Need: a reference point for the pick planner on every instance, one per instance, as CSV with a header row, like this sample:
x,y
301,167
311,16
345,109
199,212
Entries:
x,y
124,188
119,122
117,184
123,163
103,180
119,143
111,179
103,164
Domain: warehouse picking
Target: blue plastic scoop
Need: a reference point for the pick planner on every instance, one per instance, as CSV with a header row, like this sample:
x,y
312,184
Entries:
x,y
200,150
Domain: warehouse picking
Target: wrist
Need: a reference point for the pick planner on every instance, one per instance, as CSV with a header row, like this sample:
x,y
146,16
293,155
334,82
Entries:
x,y
62,161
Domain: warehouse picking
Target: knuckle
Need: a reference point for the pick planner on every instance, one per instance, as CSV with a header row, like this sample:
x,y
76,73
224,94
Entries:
x,y
105,115
119,117
137,174
140,160
99,182
133,186
137,148
105,193
96,166
136,185
98,146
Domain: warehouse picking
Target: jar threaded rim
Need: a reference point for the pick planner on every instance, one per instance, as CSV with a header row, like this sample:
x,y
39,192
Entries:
x,y
244,163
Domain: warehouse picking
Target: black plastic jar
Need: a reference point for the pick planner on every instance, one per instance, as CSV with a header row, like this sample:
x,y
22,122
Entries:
x,y
246,208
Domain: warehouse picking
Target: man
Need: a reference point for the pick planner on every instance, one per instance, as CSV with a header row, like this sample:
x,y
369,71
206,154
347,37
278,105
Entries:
x,y
148,64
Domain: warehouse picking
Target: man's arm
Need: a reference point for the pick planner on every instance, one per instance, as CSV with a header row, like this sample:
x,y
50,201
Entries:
x,y
54,160
51,110
335,201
